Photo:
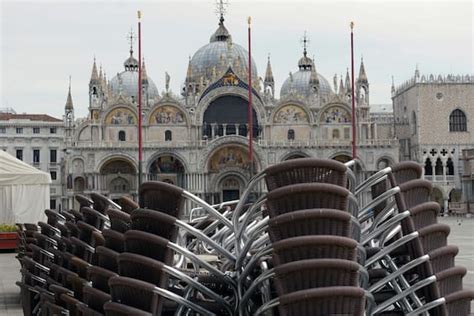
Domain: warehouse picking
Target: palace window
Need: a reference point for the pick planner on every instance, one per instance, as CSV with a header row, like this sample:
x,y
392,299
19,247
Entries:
x,y
36,156
457,121
291,134
168,136
53,156
52,130
19,154
19,130
54,175
121,136
36,130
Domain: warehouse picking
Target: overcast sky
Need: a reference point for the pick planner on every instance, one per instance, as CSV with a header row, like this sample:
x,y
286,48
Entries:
x,y
45,42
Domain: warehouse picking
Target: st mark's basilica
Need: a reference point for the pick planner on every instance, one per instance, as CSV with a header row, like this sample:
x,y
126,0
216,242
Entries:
x,y
198,138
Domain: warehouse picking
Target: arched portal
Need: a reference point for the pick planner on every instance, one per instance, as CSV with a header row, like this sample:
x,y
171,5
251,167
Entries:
x,y
230,187
296,155
79,184
118,177
227,115
437,196
342,158
167,168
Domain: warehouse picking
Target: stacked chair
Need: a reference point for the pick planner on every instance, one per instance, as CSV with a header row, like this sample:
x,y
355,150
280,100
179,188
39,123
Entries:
x,y
304,259
321,241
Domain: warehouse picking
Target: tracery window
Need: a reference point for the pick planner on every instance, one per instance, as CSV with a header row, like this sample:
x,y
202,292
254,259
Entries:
x,y
291,134
168,136
121,136
457,121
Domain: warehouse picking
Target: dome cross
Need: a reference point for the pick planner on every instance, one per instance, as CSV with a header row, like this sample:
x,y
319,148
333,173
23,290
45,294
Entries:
x,y
221,9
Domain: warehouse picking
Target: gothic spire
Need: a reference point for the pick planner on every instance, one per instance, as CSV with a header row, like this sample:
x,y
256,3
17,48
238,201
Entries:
x,y
341,87
269,73
69,105
144,74
362,75
94,75
189,72
393,86
348,81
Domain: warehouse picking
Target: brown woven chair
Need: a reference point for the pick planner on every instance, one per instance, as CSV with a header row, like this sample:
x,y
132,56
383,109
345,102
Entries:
x,y
146,296
114,240
335,300
100,278
127,204
313,273
162,196
459,303
83,200
310,222
117,309
49,230
443,258
102,203
93,217
119,220
82,249
68,215
73,230
166,226
48,308
97,239
95,298
450,280
155,222
85,231
70,303
54,217
77,215
80,266
77,284
152,271
305,170
434,236
405,171
314,247
106,258
425,214
142,268
148,245
306,196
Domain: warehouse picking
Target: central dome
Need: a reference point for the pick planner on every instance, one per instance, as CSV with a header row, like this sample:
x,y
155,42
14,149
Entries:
x,y
215,57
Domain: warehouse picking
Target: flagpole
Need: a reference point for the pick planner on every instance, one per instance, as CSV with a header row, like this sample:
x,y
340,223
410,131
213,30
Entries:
x,y
354,137
250,112
140,149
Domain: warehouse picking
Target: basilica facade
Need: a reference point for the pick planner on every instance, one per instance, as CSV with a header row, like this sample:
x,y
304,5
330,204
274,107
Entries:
x,y
198,138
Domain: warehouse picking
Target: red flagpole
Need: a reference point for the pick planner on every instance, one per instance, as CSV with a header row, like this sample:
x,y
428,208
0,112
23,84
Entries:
x,y
140,149
354,137
250,112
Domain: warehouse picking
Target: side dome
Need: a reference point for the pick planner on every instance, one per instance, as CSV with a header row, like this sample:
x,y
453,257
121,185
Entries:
x,y
214,58
299,82
126,82
305,80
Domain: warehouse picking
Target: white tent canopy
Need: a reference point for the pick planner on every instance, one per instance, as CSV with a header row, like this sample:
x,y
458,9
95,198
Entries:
x,y
24,191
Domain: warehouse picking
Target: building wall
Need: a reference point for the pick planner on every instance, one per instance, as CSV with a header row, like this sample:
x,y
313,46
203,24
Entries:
x,y
422,108
44,141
